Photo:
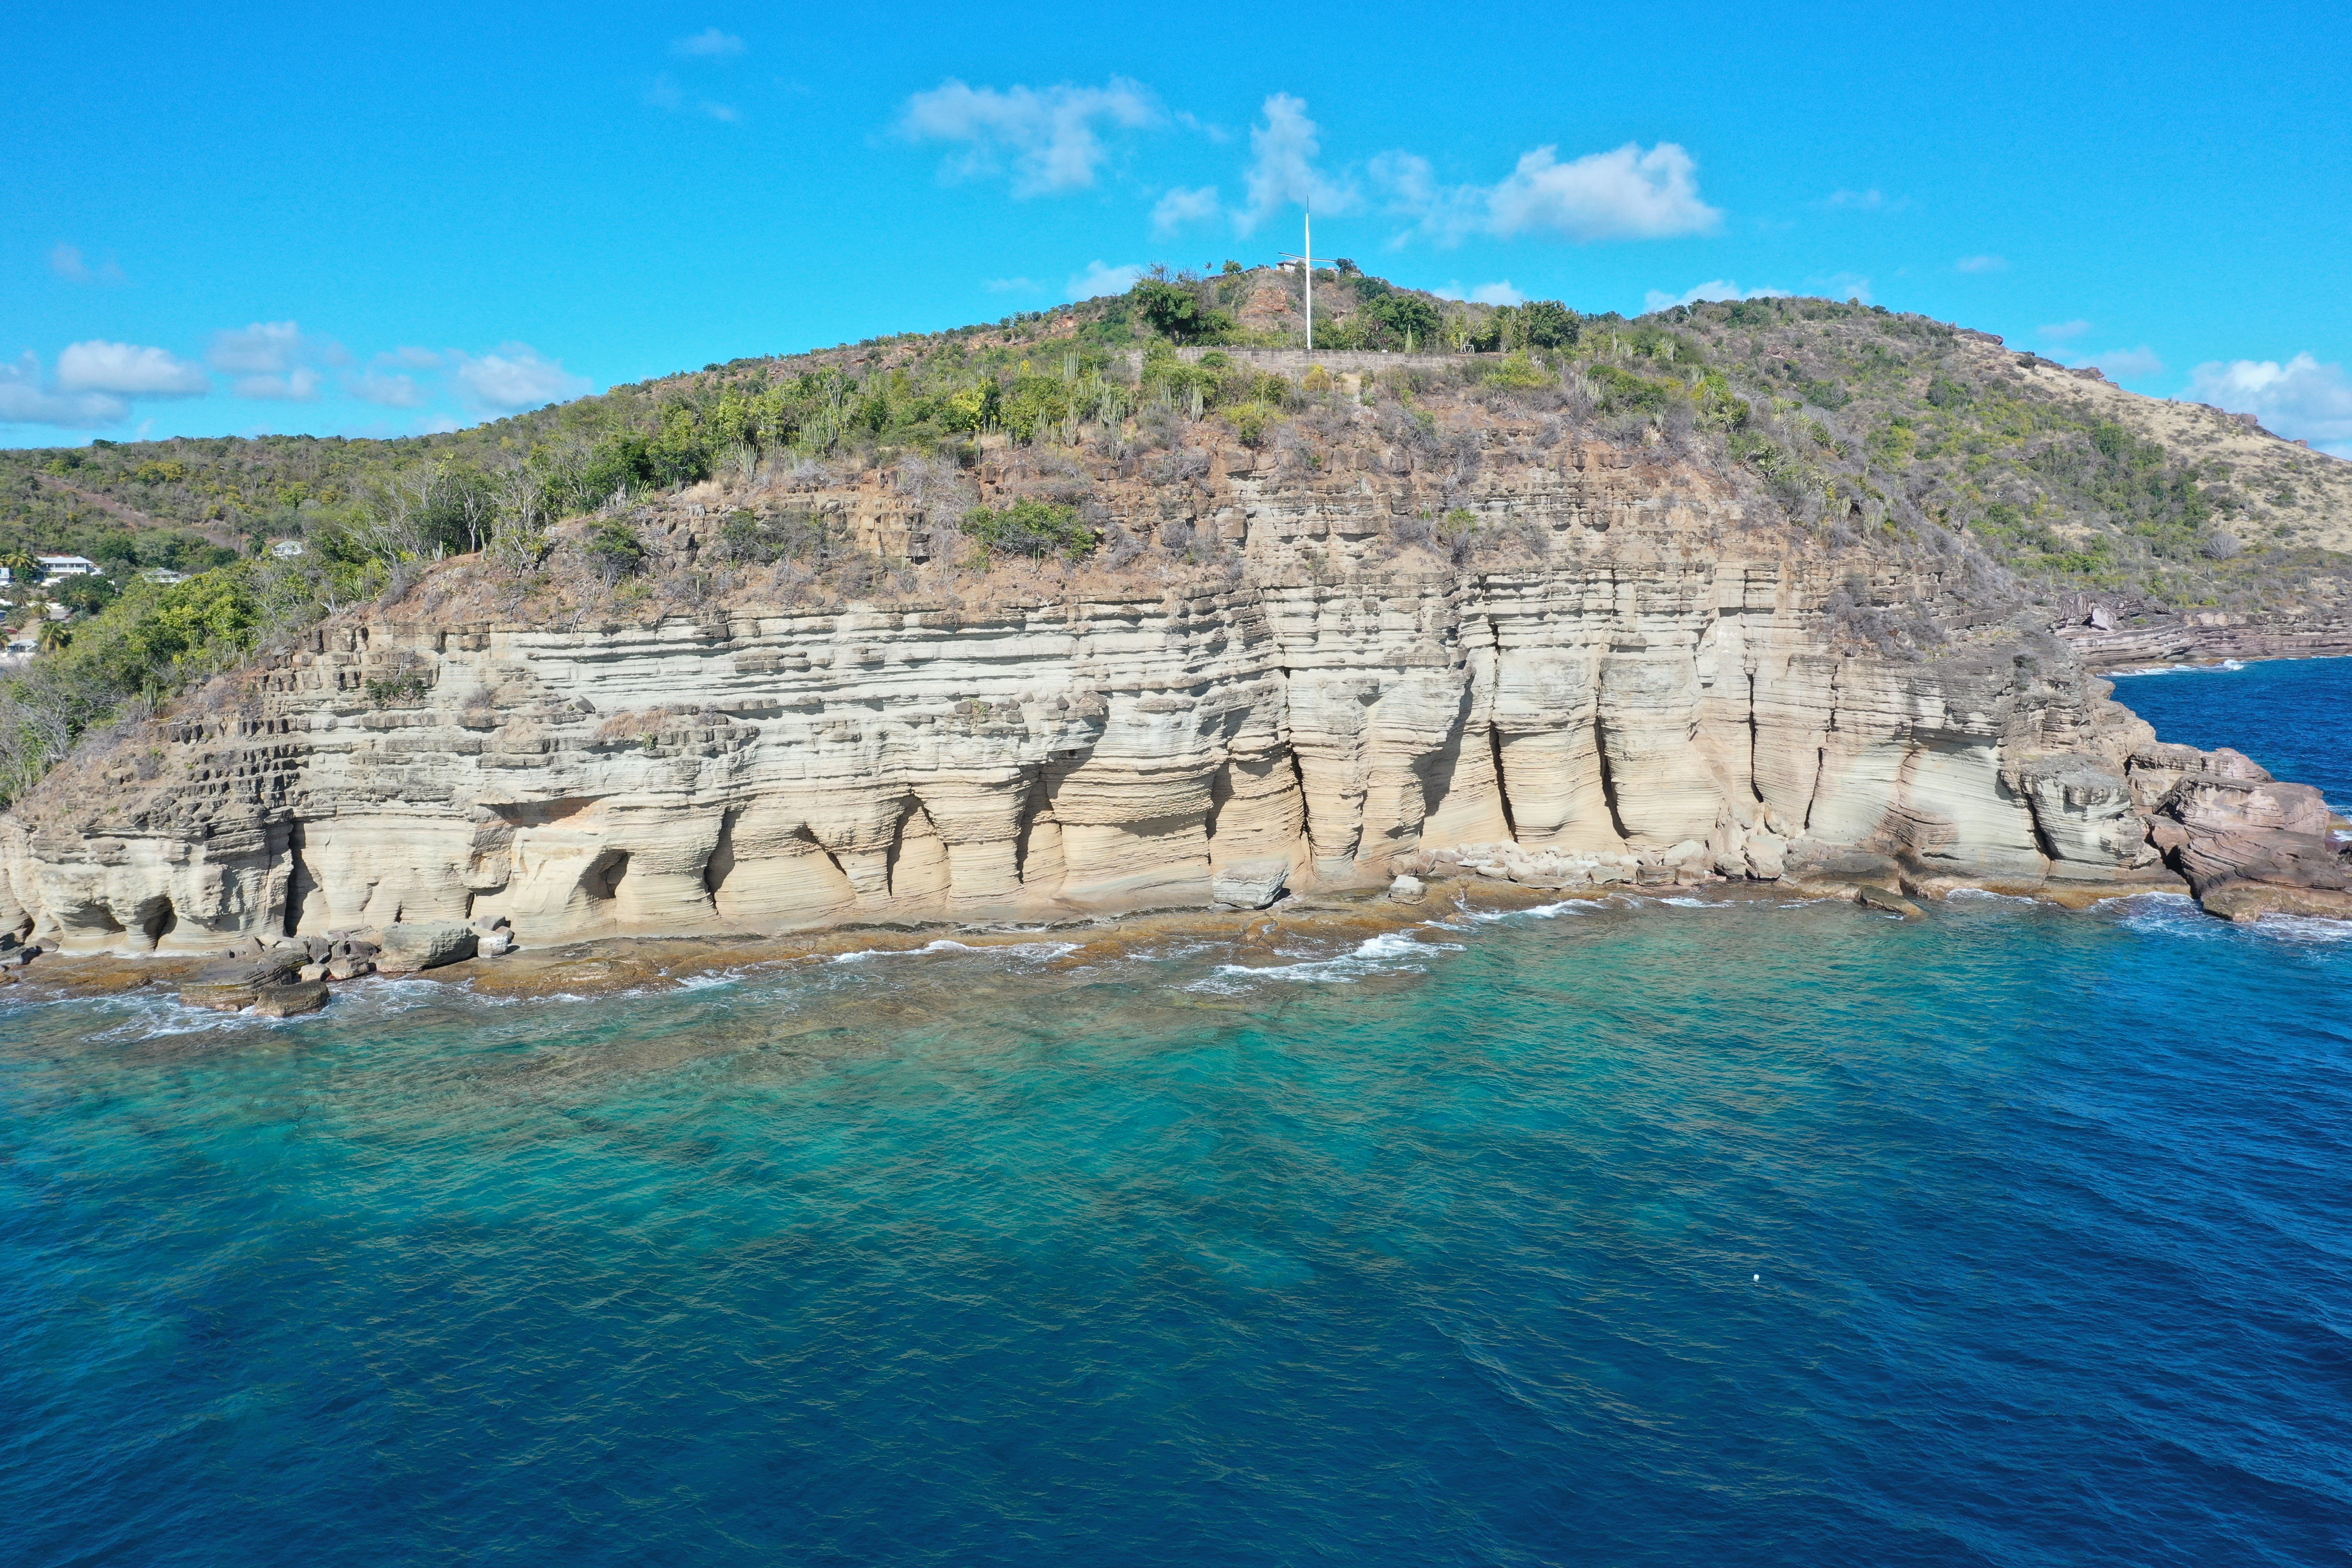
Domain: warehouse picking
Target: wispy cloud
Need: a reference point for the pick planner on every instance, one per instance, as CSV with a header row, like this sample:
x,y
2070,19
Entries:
x,y
410,358
1982,264
299,384
1048,139
1843,286
1714,290
709,43
275,362
665,94
1625,193
515,378
1496,293
1282,173
1181,206
265,348
129,370
1870,201
387,389
1011,286
1099,278
2303,399
2128,365
2063,332
68,263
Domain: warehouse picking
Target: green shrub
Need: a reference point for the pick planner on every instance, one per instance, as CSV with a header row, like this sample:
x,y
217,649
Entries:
x,y
613,549
1518,372
1033,527
1623,392
763,542
1249,420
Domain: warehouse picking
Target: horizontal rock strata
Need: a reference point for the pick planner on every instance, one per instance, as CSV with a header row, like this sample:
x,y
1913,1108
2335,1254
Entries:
x,y
1647,686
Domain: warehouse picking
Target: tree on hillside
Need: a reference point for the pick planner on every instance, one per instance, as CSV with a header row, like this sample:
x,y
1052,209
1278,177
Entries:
x,y
1175,312
1548,324
1410,319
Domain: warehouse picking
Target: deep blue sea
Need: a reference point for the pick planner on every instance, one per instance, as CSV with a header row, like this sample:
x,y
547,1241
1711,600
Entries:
x,y
1674,1233
2293,716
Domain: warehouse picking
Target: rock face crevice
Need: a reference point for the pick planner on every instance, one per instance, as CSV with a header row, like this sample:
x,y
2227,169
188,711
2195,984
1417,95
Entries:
x,y
1648,686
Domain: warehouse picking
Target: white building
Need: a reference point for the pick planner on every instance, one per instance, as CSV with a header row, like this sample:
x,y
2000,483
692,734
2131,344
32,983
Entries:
x,y
164,576
67,566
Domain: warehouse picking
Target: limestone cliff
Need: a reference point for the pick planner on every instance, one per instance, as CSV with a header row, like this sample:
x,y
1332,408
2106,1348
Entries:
x,y
1321,663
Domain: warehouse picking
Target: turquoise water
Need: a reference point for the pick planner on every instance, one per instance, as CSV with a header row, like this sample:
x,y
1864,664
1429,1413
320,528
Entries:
x,y
1668,1233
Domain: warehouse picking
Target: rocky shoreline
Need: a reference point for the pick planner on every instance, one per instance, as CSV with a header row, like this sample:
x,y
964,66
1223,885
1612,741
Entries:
x,y
265,984
2204,638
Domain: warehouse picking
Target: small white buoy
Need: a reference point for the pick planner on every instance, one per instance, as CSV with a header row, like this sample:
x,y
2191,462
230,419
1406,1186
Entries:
x,y
1757,1277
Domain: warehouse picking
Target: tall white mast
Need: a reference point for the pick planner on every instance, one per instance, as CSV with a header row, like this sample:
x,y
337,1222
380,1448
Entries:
x,y
1308,262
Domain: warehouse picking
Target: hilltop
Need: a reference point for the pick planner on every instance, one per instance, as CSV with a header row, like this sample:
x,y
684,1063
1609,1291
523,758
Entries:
x,y
2071,483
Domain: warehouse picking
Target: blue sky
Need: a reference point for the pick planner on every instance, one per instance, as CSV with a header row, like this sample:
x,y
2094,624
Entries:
x,y
382,220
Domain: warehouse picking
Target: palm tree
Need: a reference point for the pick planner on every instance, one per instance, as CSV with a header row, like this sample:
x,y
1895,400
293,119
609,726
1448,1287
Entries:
x,y
20,567
54,635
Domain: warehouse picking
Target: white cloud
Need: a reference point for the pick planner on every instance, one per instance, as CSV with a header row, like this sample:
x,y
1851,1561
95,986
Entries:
x,y
413,358
1408,179
1627,193
709,43
665,94
1282,167
68,263
1180,207
130,370
2301,399
1982,264
1869,201
1844,286
2063,332
299,384
438,424
1500,293
265,348
516,378
387,388
24,401
1098,279
1715,289
2126,364
1011,286
275,360
1049,136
